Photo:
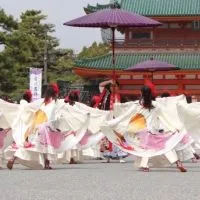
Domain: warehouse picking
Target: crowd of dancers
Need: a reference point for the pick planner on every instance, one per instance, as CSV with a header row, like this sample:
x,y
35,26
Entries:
x,y
157,131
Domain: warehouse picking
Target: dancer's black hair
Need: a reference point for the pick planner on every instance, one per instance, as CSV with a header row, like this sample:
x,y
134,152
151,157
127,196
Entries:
x,y
146,97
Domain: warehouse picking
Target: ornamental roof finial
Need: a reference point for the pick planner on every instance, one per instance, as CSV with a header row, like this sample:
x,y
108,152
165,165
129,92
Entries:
x,y
115,4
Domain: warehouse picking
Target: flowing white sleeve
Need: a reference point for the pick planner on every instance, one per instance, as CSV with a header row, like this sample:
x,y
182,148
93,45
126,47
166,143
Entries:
x,y
190,117
9,111
167,120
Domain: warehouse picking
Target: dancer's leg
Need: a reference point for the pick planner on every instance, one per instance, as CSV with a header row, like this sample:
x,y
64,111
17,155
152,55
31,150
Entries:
x,y
11,162
172,157
46,162
144,164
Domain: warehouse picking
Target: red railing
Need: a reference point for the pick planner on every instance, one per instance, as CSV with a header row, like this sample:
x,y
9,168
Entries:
x,y
120,43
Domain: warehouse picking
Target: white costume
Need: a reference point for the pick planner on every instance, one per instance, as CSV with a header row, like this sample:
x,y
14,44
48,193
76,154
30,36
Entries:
x,y
141,129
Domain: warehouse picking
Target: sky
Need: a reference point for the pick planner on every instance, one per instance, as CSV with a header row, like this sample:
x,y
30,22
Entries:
x,y
58,12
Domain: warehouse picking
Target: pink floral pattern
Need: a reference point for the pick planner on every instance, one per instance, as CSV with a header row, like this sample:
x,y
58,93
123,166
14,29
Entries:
x,y
155,140
52,138
85,139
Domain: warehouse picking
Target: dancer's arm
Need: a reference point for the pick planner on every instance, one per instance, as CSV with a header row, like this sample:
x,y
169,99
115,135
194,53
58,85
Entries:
x,y
104,83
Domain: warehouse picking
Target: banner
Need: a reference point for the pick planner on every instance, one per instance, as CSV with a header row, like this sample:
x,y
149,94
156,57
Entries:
x,y
36,82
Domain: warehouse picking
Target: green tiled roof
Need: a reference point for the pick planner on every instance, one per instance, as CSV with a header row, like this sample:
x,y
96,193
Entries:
x,y
90,8
124,60
162,7
157,7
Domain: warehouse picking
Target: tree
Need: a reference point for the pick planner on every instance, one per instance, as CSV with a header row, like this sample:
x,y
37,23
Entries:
x,y
24,48
7,26
36,36
62,68
94,50
26,43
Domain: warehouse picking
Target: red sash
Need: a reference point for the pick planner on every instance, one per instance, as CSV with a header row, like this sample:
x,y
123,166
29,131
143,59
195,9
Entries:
x,y
112,99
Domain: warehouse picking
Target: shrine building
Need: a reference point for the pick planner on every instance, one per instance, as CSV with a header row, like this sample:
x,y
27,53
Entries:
x,y
176,41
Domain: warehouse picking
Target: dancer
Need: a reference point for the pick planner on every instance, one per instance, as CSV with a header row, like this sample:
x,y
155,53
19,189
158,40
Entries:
x,y
3,134
140,126
110,95
89,144
26,99
189,115
184,149
146,102
20,123
191,150
55,128
40,117
74,155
